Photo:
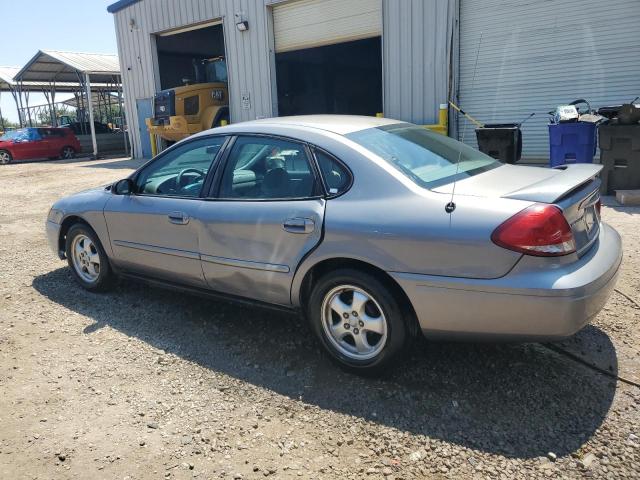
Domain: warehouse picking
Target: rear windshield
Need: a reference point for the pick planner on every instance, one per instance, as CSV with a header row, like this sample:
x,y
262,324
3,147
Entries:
x,y
427,158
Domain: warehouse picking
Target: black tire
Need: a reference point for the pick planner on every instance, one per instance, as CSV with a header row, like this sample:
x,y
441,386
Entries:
x,y
105,277
67,153
397,333
5,157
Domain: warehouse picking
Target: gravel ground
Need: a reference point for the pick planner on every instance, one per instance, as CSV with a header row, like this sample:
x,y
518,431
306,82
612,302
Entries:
x,y
145,383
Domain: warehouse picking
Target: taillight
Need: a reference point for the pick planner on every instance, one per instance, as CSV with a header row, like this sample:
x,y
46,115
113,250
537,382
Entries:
x,y
539,230
598,207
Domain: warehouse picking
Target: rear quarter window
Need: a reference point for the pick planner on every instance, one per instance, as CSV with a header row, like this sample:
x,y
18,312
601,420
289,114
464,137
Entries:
x,y
335,175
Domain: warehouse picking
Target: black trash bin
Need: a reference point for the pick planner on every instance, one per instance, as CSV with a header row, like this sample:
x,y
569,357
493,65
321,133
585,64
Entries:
x,y
502,141
620,155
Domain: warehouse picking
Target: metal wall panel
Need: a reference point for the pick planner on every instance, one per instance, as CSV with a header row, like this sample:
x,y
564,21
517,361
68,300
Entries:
x,y
416,41
248,53
314,23
534,56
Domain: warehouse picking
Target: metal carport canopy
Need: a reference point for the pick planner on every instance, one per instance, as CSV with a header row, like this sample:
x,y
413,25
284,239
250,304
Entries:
x,y
95,98
54,66
7,83
6,78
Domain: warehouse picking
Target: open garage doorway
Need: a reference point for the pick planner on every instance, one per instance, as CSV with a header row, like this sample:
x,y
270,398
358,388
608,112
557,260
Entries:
x,y
192,83
344,78
180,52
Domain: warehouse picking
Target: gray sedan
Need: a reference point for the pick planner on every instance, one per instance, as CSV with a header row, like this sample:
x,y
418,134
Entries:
x,y
374,230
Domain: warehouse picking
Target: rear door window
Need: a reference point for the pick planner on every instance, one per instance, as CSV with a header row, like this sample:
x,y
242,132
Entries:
x,y
263,168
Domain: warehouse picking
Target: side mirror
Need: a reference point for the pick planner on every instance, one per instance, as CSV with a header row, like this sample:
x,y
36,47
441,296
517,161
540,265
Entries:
x,y
124,187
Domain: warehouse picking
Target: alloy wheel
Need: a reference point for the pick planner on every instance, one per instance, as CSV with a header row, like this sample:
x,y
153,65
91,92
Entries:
x,y
5,158
68,153
354,322
86,258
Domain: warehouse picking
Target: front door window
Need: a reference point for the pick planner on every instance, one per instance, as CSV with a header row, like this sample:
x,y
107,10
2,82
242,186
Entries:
x,y
181,171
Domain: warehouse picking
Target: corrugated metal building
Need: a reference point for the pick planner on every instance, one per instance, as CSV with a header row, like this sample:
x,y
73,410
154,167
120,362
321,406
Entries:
x,y
282,27
402,57
533,56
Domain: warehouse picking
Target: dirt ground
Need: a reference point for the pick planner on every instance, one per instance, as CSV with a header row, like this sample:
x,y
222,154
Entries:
x,y
144,383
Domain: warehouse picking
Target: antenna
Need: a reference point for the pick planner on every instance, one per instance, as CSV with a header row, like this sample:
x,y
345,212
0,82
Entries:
x,y
451,206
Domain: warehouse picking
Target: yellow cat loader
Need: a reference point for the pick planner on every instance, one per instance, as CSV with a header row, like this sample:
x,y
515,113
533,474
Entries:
x,y
182,111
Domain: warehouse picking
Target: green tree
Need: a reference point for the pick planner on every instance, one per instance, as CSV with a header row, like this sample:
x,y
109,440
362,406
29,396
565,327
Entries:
x,y
7,124
44,117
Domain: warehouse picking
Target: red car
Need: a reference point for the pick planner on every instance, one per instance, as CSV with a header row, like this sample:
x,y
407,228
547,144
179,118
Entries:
x,y
30,143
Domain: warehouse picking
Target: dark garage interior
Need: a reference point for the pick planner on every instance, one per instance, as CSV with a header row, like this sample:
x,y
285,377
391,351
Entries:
x,y
177,52
345,78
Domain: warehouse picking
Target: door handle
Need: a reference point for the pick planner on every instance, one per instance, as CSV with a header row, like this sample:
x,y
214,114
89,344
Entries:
x,y
179,218
299,225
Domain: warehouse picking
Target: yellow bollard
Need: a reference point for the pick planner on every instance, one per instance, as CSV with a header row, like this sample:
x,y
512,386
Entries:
x,y
443,114
223,123
442,126
154,144
379,115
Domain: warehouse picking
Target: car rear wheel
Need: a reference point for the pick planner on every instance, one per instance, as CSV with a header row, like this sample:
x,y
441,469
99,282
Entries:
x,y
358,320
5,157
87,259
68,153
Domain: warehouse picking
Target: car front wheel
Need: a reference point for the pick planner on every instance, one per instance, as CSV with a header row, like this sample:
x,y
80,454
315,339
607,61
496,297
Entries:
x,y
87,259
5,157
358,320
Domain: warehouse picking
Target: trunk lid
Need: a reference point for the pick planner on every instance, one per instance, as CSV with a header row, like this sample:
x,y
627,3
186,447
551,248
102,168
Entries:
x,y
534,184
574,188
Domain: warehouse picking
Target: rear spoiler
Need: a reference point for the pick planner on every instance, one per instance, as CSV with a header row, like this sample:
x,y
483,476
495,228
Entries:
x,y
552,189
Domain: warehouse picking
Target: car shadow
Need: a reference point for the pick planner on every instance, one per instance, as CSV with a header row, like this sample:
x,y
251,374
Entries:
x,y
611,202
627,209
517,400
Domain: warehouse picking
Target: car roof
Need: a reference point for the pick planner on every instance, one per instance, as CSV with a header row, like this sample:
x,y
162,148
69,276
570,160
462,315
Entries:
x,y
340,124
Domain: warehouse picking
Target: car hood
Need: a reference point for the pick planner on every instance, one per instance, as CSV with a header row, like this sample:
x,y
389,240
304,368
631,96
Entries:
x,y
534,184
93,199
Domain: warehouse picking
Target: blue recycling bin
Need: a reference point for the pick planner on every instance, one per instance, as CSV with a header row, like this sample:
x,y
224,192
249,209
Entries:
x,y
572,143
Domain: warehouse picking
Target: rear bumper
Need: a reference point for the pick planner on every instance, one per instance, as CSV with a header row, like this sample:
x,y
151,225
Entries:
x,y
532,302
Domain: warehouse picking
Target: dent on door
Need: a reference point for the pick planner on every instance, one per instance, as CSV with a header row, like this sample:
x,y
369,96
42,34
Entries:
x,y
253,249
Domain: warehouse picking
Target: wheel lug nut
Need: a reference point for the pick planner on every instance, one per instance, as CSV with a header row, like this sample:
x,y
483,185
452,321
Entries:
x,y
345,315
354,313
356,331
347,326
361,323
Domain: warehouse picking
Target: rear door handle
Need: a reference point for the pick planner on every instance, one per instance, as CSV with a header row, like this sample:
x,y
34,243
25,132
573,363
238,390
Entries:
x,y
299,225
179,218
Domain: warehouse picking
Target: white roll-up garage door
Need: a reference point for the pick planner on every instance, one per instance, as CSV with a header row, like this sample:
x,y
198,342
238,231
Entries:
x,y
313,23
533,56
